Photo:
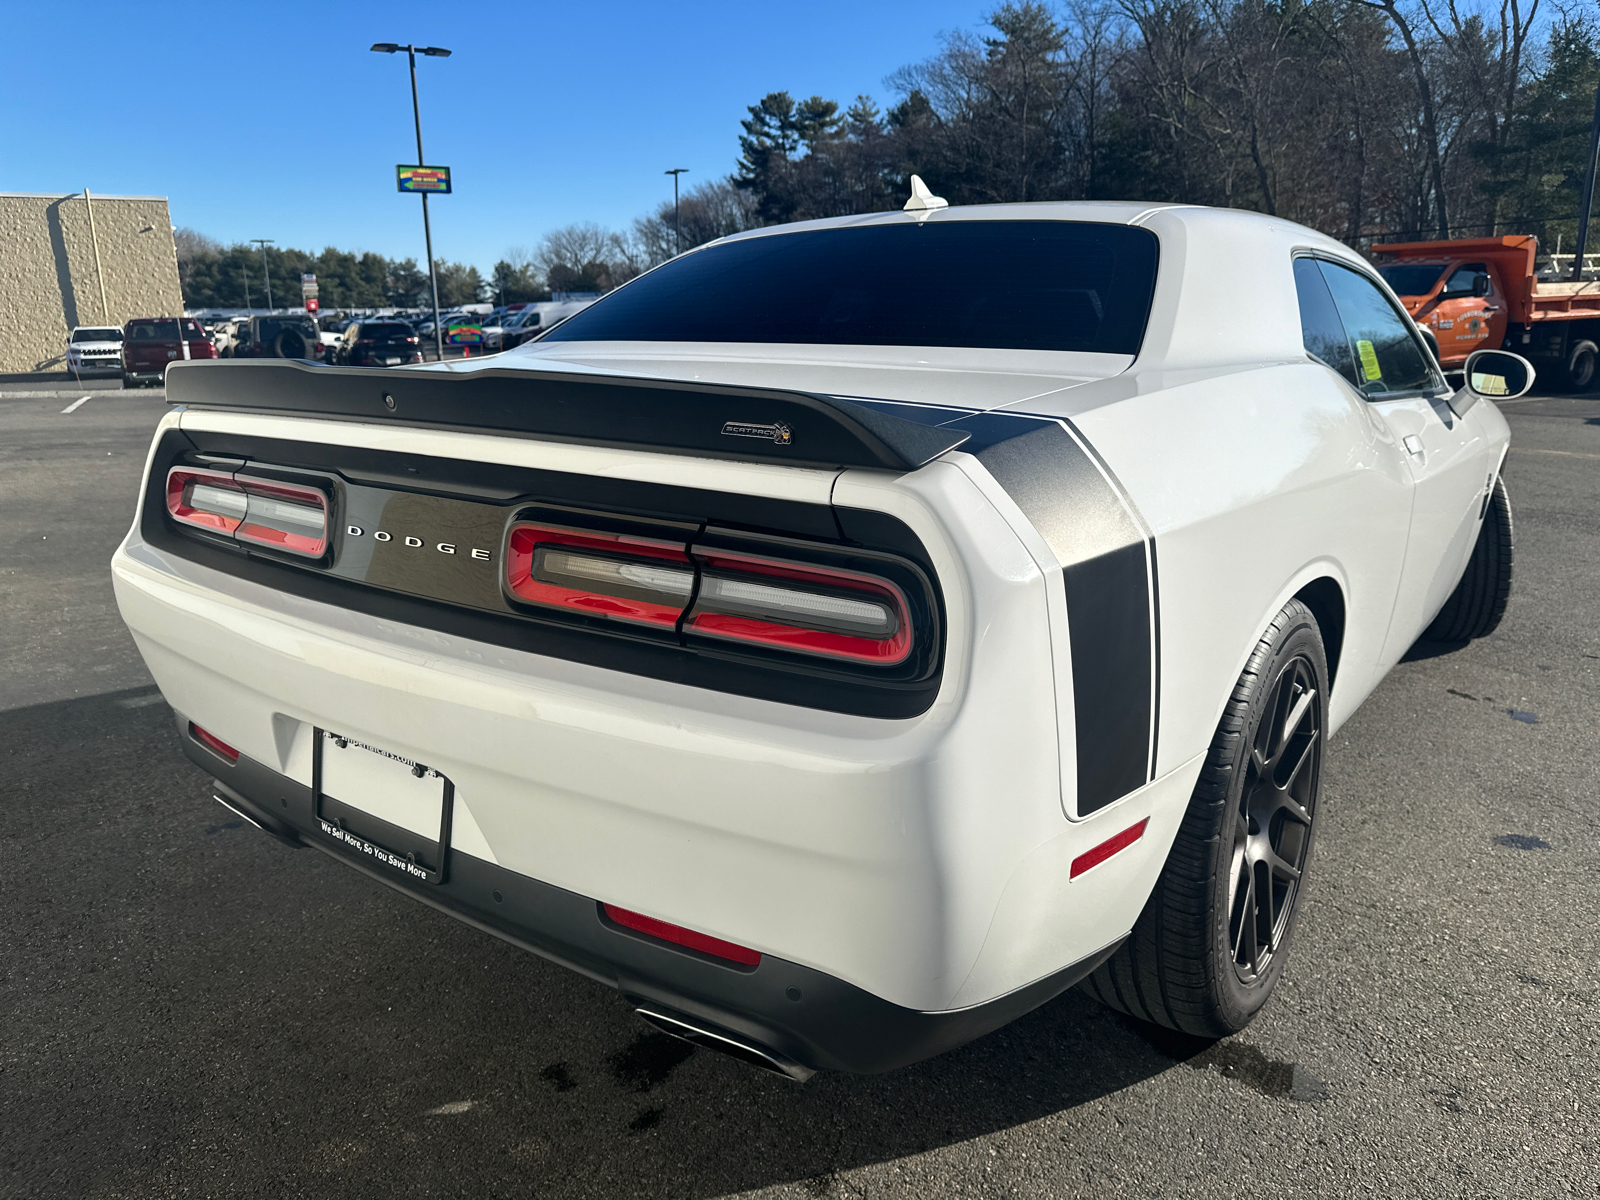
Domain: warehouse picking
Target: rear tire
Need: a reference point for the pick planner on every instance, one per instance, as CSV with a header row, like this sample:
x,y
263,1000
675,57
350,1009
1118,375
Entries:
x,y
1582,364
1211,943
289,344
1479,601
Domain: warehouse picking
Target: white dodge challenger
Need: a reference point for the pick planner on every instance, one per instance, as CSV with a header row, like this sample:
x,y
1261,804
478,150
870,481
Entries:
x,y
849,635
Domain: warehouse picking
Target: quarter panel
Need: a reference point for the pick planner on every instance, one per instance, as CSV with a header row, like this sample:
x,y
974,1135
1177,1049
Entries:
x,y
1246,480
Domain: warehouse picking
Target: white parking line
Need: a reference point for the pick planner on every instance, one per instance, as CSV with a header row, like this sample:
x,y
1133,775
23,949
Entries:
x,y
76,404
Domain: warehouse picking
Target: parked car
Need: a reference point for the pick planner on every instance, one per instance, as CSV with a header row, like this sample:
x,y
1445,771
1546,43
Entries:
x,y
378,344
278,337
151,344
795,654
522,327
94,350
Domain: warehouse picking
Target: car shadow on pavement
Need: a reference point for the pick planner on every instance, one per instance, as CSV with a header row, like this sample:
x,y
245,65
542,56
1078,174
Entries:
x,y
197,1008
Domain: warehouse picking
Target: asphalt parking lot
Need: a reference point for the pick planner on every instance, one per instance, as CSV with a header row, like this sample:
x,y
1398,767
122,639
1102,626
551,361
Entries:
x,y
190,1009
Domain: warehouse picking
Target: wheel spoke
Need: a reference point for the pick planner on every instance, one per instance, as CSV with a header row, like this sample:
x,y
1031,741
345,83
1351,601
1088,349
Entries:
x,y
1275,724
1291,725
1282,867
1302,757
1293,808
1266,918
1244,907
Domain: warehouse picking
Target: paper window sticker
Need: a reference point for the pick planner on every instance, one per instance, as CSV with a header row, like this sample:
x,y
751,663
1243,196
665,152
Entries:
x,y
1369,359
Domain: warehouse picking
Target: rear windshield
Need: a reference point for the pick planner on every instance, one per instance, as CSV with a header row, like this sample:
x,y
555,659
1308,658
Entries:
x,y
389,329
1411,279
1014,285
271,327
163,331
97,335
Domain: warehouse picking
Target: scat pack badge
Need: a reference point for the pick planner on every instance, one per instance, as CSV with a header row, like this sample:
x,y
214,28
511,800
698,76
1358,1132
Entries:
x,y
778,434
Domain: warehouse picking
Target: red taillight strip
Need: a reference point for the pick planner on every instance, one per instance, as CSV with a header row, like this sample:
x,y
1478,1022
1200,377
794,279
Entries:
x,y
263,512
213,743
184,506
658,592
680,936
796,616
1094,857
284,517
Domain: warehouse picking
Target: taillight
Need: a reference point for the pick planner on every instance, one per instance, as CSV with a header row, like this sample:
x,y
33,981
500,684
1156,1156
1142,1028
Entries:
x,y
262,512
814,610
205,499
642,581
284,517
775,604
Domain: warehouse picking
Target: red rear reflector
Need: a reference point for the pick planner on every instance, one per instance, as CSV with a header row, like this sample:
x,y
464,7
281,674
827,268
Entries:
x,y
816,610
1098,855
611,575
213,743
264,512
680,936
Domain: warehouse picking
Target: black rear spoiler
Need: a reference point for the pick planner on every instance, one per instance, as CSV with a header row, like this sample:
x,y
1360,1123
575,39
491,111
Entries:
x,y
670,416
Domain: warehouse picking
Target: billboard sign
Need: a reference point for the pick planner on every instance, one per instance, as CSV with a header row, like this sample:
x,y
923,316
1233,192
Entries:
x,y
423,179
464,335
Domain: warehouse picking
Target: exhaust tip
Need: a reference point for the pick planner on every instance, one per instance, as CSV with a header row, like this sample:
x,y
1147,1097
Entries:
x,y
746,1052
239,807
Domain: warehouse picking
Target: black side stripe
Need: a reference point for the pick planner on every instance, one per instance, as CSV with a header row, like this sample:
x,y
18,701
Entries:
x,y
1108,563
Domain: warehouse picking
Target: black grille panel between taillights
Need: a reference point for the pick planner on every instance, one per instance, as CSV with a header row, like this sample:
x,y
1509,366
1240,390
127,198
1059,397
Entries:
x,y
826,607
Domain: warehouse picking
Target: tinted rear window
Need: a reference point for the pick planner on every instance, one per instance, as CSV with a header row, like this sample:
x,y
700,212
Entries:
x,y
164,331
389,330
1411,279
1015,285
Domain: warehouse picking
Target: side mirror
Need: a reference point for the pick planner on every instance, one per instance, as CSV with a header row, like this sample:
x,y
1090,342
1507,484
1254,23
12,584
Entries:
x,y
1497,374
1480,284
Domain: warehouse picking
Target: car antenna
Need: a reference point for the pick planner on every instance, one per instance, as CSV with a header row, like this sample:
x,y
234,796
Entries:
x,y
923,202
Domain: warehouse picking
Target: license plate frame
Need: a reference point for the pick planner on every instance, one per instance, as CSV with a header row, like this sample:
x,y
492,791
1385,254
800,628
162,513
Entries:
x,y
353,825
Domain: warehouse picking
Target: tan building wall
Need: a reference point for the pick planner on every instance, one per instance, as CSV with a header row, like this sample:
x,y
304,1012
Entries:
x,y
48,277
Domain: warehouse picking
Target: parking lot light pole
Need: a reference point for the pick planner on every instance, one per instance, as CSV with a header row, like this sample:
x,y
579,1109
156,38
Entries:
x,y
677,221
416,113
1586,199
264,243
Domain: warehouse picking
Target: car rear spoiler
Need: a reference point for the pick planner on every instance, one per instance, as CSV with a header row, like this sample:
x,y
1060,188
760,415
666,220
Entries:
x,y
670,416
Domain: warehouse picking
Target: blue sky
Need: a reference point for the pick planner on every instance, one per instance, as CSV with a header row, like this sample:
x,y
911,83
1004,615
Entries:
x,y
276,121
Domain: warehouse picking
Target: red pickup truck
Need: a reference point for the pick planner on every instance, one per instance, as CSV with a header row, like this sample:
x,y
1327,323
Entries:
x,y
150,343
1482,294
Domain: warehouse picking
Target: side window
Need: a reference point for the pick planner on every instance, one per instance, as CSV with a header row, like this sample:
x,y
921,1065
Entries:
x,y
1320,326
1460,281
1389,357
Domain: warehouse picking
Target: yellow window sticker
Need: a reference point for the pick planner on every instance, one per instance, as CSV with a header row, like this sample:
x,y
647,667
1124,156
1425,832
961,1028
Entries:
x,y
1369,359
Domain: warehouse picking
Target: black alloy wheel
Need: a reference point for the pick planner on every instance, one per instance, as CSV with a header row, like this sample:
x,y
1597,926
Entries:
x,y
1272,832
1212,941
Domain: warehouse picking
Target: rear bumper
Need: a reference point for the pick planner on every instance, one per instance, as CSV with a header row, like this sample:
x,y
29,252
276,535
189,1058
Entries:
x,y
793,1012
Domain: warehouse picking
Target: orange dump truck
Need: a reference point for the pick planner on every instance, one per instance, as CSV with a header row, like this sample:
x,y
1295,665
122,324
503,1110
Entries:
x,y
1481,294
